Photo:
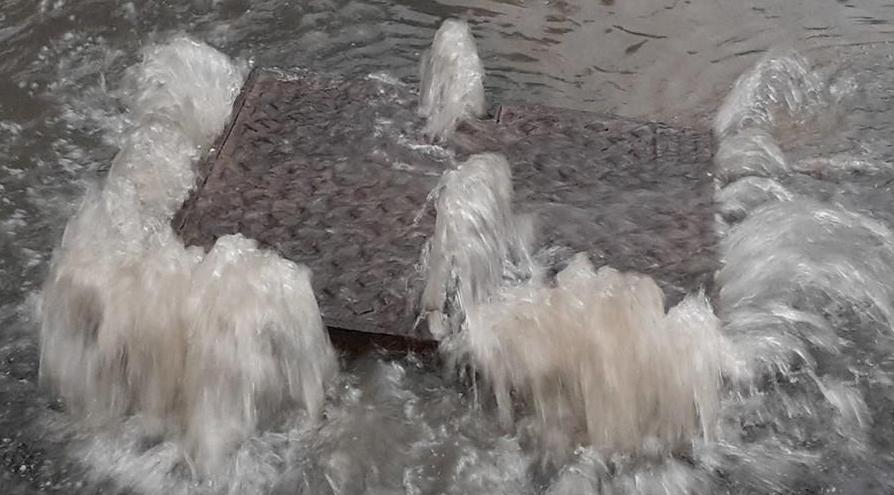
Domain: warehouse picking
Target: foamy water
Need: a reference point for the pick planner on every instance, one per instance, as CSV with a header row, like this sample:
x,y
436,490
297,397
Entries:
x,y
805,286
797,378
204,348
591,357
477,243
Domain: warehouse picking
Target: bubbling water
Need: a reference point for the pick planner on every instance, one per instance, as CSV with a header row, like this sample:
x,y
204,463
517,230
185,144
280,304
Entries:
x,y
600,362
593,355
805,283
452,79
477,241
207,348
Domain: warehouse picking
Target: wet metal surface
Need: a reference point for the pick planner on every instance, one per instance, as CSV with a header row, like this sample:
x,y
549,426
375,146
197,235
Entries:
x,y
336,174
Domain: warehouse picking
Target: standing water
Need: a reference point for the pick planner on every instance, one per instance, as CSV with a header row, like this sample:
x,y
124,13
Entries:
x,y
785,385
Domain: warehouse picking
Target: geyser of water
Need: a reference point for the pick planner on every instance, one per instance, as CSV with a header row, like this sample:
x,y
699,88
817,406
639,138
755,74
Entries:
x,y
452,78
592,354
477,241
208,348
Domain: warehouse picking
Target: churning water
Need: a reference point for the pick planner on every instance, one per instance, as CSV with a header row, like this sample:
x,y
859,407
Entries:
x,y
190,372
135,323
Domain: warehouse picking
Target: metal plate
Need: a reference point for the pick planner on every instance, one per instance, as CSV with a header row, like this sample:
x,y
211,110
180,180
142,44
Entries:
x,y
335,174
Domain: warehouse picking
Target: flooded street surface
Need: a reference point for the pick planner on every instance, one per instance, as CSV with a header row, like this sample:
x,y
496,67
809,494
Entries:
x,y
805,221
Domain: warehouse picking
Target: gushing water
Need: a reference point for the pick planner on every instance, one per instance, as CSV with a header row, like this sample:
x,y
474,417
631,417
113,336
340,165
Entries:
x,y
775,91
600,362
592,355
452,79
806,278
477,241
209,348
590,358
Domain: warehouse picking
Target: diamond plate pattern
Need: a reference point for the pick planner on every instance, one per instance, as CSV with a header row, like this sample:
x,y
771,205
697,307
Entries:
x,y
335,174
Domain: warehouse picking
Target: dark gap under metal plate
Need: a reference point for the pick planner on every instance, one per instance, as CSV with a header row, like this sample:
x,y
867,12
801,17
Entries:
x,y
335,174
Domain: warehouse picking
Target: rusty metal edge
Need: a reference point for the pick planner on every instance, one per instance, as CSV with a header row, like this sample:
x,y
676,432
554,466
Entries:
x,y
204,166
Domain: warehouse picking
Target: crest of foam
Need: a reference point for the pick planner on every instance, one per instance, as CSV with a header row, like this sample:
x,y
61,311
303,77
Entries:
x,y
207,347
452,79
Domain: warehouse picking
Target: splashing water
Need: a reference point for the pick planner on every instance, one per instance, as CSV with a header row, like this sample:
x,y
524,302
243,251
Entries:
x,y
452,80
477,241
803,295
805,289
776,89
600,362
803,300
595,356
209,347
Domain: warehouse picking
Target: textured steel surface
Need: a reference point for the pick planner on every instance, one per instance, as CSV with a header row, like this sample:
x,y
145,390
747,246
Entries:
x,y
635,195
335,173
